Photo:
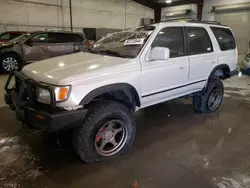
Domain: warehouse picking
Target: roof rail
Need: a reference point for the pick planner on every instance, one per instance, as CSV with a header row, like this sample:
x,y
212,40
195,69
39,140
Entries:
x,y
206,22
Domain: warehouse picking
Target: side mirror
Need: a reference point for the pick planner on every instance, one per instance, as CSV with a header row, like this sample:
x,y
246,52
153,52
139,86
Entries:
x,y
159,53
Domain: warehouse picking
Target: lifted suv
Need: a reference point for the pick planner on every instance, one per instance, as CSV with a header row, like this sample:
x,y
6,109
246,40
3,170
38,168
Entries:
x,y
95,92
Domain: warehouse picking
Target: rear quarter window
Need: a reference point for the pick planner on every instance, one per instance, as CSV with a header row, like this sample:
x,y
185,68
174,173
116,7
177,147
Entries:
x,y
224,38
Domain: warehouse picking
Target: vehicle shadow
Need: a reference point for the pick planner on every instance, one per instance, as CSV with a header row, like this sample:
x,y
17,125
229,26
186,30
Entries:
x,y
154,124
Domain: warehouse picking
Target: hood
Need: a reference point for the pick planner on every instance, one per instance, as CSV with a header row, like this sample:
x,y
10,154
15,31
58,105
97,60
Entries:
x,y
69,67
3,44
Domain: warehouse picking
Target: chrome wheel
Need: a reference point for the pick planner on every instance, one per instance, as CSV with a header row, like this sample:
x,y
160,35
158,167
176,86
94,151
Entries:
x,y
110,138
10,64
214,99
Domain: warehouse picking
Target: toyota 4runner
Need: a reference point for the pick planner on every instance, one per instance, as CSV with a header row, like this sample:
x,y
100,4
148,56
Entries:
x,y
95,92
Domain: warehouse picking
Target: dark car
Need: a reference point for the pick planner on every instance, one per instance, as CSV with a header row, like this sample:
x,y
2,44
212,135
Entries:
x,y
39,45
7,36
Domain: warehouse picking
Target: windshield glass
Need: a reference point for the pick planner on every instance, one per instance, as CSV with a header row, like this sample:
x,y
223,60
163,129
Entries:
x,y
127,43
21,37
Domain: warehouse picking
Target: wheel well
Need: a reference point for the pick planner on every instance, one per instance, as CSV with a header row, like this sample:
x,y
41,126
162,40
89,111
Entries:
x,y
221,71
13,53
124,94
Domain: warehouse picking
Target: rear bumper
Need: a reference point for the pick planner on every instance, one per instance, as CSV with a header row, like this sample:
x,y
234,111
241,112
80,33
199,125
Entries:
x,y
36,115
234,73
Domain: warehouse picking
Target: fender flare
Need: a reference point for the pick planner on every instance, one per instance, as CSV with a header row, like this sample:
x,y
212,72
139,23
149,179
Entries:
x,y
112,87
218,71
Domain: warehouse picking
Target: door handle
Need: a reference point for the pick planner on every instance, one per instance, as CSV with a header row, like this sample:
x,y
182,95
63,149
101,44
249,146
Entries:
x,y
183,67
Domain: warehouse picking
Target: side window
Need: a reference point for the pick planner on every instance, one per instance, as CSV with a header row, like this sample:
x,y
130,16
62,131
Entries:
x,y
172,38
225,38
75,38
14,35
199,41
64,38
58,37
41,37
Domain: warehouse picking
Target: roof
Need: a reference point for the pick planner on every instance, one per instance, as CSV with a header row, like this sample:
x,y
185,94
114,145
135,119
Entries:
x,y
190,23
21,32
55,31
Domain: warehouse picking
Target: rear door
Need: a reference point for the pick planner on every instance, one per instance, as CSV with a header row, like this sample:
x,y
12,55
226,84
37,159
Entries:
x,y
201,56
37,48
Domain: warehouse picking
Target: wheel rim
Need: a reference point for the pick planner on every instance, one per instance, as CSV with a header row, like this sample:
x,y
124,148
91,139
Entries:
x,y
110,138
10,64
214,99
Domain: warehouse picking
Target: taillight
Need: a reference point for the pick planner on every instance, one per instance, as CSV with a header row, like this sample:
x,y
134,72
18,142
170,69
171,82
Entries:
x,y
88,44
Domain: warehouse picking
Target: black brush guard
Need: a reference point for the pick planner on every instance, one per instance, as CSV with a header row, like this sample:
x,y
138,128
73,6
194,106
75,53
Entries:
x,y
22,99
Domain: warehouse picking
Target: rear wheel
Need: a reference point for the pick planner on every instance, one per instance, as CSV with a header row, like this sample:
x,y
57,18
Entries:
x,y
107,131
9,62
211,98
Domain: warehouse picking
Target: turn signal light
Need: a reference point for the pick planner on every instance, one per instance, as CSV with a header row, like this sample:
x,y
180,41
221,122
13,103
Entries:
x,y
63,93
38,116
88,44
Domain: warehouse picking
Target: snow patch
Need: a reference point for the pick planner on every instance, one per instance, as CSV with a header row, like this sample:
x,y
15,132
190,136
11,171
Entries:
x,y
238,181
16,162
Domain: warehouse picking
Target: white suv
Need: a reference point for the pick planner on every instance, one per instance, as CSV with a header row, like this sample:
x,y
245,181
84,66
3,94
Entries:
x,y
95,92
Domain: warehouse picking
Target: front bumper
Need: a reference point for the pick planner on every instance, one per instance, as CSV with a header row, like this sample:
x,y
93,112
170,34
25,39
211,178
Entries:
x,y
21,99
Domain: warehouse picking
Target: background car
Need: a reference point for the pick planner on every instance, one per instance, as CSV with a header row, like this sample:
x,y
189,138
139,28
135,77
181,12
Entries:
x,y
39,45
245,64
7,36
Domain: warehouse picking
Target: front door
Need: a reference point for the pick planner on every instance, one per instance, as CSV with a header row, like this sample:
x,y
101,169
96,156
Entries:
x,y
165,79
36,48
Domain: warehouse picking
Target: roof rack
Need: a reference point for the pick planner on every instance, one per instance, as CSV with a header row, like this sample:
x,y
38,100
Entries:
x,y
206,22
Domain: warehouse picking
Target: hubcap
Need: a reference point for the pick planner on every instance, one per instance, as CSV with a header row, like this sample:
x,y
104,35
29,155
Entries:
x,y
110,138
10,64
215,99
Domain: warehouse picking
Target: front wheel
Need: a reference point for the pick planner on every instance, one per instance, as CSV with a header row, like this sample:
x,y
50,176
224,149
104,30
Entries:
x,y
9,62
107,131
211,98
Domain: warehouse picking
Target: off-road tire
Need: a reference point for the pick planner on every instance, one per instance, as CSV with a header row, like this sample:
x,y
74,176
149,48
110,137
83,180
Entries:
x,y
83,139
200,99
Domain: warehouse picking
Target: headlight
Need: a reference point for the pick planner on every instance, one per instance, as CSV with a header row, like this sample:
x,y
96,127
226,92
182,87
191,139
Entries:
x,y
42,94
61,93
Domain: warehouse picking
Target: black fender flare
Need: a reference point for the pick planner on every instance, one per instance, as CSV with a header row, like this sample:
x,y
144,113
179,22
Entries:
x,y
111,87
217,71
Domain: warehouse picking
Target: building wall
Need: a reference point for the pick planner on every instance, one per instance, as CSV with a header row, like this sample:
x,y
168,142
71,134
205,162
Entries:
x,y
238,21
193,7
36,14
206,13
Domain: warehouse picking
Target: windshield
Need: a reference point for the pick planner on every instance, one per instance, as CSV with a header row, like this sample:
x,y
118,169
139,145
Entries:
x,y
127,43
21,37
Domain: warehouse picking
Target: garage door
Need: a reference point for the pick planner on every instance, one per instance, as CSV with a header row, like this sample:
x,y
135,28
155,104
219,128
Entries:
x,y
240,24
